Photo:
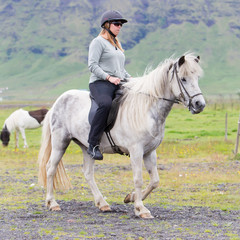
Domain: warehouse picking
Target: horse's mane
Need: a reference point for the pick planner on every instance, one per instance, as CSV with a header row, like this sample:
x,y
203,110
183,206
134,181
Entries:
x,y
141,92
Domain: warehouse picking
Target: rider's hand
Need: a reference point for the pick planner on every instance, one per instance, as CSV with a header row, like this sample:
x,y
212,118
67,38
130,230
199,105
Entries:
x,y
114,80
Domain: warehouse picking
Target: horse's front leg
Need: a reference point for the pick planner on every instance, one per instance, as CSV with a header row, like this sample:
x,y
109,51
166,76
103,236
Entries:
x,y
150,161
88,170
136,162
16,139
24,137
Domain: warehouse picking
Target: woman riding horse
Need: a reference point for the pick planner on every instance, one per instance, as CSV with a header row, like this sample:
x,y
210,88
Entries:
x,y
106,63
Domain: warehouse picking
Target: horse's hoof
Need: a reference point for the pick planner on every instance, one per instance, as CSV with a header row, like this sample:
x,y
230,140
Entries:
x,y
55,208
127,198
146,216
105,209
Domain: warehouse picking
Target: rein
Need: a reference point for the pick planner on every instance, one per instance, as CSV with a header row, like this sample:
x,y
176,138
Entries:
x,y
159,98
181,88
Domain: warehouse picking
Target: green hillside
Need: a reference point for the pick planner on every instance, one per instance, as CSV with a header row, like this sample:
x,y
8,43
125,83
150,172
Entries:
x,y
219,57
44,43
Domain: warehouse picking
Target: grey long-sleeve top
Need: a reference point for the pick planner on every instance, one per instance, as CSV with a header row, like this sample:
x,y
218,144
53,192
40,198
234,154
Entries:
x,y
104,60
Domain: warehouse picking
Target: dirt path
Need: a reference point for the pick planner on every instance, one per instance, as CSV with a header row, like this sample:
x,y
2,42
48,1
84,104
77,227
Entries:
x,y
82,220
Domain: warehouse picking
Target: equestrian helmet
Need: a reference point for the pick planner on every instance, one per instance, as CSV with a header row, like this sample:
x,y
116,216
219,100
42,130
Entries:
x,y
112,15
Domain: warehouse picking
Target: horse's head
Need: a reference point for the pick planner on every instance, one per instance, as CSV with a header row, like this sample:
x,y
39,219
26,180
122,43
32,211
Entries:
x,y
186,72
5,136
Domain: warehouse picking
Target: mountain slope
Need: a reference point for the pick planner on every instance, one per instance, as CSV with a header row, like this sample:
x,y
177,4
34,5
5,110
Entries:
x,y
44,44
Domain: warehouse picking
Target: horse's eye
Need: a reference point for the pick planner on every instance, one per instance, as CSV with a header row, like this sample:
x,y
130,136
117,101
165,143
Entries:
x,y
184,80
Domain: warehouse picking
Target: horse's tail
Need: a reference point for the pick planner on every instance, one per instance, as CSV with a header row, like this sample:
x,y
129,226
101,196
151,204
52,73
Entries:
x,y
61,180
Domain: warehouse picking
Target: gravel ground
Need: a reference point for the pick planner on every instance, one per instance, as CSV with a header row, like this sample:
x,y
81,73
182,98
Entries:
x,y
82,220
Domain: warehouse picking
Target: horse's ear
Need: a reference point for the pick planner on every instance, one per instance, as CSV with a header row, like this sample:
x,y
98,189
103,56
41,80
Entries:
x,y
181,61
197,59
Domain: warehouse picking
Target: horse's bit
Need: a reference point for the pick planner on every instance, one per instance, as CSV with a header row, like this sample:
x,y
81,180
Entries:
x,y
181,87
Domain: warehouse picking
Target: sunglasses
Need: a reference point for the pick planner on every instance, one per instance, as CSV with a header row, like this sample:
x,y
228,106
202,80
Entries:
x,y
117,24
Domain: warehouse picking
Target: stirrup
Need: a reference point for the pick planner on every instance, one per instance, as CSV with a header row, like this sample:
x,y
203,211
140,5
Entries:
x,y
95,152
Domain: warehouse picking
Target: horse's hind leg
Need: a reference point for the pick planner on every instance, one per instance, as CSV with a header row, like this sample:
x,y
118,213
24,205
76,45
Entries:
x,y
56,156
88,170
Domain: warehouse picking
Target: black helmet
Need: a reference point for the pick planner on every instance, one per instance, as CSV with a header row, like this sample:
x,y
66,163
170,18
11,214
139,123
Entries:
x,y
112,15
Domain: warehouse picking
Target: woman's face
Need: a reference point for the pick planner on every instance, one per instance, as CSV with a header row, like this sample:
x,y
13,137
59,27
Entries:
x,y
115,27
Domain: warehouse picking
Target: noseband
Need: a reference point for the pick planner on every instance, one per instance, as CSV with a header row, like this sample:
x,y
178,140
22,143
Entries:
x,y
182,88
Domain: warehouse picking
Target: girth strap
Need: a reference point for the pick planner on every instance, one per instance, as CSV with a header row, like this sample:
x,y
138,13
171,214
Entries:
x,y
115,148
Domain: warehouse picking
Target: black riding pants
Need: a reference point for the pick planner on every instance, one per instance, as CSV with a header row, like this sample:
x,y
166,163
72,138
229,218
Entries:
x,y
103,93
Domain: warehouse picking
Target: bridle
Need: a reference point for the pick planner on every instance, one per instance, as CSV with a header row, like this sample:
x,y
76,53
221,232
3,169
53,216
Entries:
x,y
182,88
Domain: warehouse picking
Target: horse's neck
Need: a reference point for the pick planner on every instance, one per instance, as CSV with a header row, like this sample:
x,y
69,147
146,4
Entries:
x,y
161,109
145,99
10,124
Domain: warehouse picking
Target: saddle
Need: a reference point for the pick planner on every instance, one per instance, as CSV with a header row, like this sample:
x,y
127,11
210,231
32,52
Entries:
x,y
111,117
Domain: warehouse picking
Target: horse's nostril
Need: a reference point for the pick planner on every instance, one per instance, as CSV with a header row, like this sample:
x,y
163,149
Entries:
x,y
199,104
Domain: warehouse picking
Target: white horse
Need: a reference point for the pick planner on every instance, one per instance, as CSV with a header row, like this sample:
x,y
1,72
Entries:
x,y
138,130
20,120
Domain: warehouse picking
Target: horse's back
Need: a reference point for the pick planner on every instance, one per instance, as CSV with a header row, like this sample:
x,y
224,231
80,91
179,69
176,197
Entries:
x,y
17,115
39,114
73,99
70,113
25,120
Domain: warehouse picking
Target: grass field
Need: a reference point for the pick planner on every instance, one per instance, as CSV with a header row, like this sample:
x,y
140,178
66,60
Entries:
x,y
196,165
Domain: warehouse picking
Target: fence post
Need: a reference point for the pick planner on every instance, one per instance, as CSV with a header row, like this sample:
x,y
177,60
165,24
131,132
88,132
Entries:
x,y
237,141
226,126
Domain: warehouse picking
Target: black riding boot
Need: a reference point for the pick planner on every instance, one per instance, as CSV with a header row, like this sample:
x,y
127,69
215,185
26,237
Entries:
x,y
94,152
